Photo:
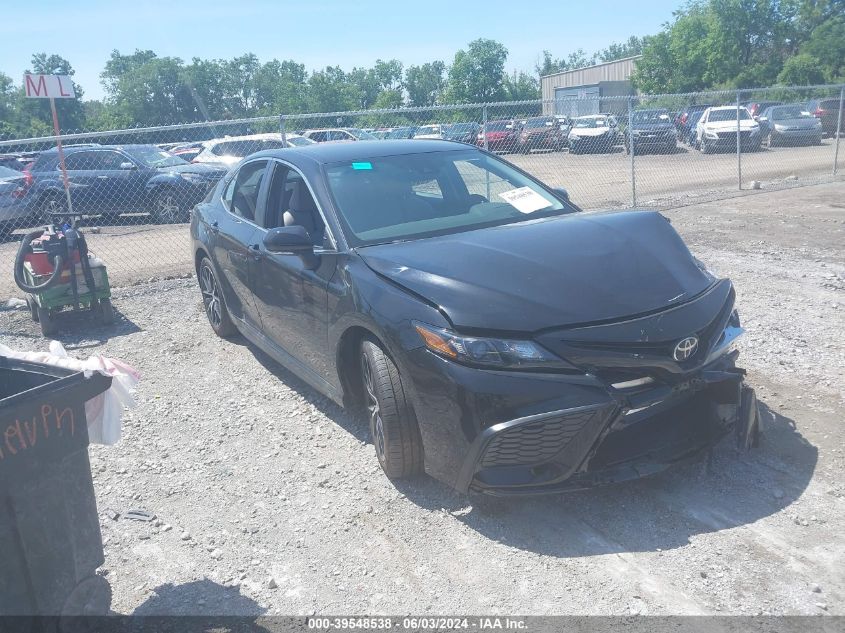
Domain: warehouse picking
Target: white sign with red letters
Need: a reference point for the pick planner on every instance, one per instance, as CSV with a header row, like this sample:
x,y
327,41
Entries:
x,y
48,86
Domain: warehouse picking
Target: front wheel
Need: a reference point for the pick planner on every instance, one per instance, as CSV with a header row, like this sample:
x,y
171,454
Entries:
x,y
393,425
167,208
51,208
212,300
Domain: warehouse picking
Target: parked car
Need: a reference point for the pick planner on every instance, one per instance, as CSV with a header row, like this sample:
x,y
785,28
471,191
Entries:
x,y
717,129
229,150
435,131
380,134
789,125
12,161
13,204
826,111
497,338
187,151
402,132
540,133
651,129
756,108
338,134
691,137
462,132
500,135
109,180
593,133
684,123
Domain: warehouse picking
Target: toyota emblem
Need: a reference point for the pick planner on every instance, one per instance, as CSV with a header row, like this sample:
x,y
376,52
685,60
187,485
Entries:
x,y
685,348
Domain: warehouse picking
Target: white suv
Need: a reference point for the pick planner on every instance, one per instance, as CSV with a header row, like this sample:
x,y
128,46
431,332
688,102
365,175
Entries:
x,y
231,149
716,129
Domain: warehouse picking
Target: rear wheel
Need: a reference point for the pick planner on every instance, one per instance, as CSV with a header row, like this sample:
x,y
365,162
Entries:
x,y
704,146
212,300
393,425
51,208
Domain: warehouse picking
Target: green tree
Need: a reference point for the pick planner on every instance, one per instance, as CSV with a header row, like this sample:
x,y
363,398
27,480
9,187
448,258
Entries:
x,y
801,70
632,46
477,74
549,65
520,86
425,84
329,90
826,43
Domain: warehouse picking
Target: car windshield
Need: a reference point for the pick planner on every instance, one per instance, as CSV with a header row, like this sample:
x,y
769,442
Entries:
x,y
361,135
402,132
499,126
5,172
591,122
728,115
461,128
790,112
535,123
412,196
651,116
299,141
152,156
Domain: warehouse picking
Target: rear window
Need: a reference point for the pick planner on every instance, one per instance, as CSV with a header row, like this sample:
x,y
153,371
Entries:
x,y
728,115
535,123
498,126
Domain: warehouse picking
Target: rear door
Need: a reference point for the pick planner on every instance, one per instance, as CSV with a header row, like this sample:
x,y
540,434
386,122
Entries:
x,y
89,188
235,230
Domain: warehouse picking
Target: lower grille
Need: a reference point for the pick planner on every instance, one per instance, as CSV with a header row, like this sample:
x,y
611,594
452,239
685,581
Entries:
x,y
535,442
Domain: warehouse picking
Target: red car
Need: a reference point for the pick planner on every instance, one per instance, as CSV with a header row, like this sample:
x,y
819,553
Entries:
x,y
501,136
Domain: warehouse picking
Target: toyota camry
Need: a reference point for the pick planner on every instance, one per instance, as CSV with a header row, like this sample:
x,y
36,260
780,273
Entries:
x,y
498,337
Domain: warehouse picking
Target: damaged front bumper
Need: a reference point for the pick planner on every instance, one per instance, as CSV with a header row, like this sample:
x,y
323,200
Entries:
x,y
641,435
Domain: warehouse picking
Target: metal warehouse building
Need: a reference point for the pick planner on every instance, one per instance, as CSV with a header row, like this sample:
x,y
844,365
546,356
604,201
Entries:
x,y
581,91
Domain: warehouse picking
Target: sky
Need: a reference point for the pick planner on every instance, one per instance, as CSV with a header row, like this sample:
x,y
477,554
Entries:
x,y
316,33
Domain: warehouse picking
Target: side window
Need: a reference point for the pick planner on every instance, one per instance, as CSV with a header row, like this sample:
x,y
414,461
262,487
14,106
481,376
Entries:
x,y
80,161
318,137
339,135
109,160
245,187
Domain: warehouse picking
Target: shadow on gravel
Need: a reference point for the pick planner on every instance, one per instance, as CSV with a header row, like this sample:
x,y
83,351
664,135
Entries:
x,y
661,513
198,598
77,330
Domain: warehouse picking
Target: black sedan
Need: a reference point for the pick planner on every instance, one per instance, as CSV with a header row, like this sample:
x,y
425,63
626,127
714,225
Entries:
x,y
651,129
498,338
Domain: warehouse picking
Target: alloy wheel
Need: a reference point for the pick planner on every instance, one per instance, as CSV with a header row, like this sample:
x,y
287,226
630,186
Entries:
x,y
210,296
167,208
373,408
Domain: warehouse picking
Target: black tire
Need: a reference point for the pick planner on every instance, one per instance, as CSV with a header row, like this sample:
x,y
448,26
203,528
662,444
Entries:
x,y
33,307
51,208
105,312
168,208
393,425
49,326
749,430
212,300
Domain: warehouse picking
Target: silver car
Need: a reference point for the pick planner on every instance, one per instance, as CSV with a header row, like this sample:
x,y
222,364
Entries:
x,y
13,202
790,125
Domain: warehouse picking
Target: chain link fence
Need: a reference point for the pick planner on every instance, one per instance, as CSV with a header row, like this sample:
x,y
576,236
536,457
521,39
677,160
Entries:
x,y
134,188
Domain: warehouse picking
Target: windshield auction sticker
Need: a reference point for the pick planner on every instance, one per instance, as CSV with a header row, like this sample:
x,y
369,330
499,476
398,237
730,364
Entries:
x,y
524,199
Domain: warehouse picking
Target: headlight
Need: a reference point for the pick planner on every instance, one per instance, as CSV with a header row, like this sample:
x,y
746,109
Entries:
x,y
711,134
573,137
489,352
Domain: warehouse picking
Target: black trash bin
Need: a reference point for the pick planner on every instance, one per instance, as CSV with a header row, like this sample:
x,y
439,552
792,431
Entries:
x,y
50,541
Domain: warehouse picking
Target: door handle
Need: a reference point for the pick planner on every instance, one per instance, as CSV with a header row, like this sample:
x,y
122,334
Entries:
x,y
214,228
255,249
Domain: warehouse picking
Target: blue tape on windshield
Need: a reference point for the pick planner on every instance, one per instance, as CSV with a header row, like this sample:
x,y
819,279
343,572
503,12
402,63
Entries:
x,y
362,165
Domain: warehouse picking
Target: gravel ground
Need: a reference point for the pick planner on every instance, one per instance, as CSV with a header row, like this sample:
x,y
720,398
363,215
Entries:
x,y
268,498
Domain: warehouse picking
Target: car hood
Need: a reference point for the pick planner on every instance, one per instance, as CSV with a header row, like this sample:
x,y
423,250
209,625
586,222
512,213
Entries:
x,y
653,127
729,126
575,269
589,131
203,169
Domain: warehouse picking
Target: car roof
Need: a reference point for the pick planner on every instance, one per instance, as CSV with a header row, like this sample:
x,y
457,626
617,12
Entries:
x,y
72,149
361,150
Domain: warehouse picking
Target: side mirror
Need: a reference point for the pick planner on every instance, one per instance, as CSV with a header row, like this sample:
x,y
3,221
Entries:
x,y
563,193
127,165
292,240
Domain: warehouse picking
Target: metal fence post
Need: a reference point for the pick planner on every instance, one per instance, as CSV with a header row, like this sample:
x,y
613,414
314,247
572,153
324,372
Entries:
x,y
738,145
484,124
282,129
632,151
838,129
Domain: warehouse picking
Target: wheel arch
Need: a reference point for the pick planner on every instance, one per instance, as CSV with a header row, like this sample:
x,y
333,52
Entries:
x,y
348,346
